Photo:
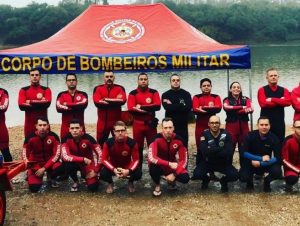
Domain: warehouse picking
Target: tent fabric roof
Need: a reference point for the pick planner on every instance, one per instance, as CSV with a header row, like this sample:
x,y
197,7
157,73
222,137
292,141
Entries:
x,y
128,30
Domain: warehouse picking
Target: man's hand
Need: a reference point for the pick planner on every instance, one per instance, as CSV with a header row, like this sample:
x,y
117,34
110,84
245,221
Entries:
x,y
87,161
40,172
173,165
167,101
201,109
266,158
269,99
125,173
170,178
255,164
118,172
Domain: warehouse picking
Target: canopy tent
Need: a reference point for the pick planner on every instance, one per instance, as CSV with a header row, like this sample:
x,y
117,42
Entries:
x,y
125,38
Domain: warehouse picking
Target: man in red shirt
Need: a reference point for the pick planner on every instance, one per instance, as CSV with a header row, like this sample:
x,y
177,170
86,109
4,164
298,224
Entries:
x,y
205,105
296,102
43,148
34,100
167,157
71,103
120,158
291,157
4,138
142,103
108,98
272,99
80,152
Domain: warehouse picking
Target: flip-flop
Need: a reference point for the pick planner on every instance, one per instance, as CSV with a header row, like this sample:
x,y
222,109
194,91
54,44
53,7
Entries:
x,y
74,188
156,193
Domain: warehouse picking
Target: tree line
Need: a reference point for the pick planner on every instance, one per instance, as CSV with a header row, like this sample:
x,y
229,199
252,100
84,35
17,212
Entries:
x,y
248,22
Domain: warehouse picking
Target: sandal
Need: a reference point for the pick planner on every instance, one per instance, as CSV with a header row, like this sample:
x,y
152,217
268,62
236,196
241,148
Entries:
x,y
156,192
74,188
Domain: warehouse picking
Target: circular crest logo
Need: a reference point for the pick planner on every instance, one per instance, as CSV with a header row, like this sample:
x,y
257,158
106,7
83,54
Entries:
x,y
175,146
124,153
78,98
49,141
122,31
148,100
221,144
39,95
83,145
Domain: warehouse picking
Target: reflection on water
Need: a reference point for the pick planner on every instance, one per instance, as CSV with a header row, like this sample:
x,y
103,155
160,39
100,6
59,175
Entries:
x,y
285,58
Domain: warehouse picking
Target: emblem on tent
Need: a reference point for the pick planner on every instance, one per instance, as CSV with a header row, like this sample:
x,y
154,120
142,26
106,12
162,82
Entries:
x,y
122,31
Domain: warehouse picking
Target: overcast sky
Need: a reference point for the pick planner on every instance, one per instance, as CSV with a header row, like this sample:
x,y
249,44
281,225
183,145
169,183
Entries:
x,y
22,3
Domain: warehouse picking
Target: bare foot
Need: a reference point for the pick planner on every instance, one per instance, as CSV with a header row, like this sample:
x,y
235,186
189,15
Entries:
x,y
110,188
131,188
157,191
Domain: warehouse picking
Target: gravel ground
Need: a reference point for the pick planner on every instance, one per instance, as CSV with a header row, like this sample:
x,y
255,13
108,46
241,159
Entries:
x,y
186,206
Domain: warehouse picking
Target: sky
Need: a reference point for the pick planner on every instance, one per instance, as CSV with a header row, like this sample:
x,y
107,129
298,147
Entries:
x,y
22,3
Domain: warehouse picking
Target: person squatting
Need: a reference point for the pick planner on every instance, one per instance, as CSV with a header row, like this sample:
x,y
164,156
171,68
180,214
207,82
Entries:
x,y
114,155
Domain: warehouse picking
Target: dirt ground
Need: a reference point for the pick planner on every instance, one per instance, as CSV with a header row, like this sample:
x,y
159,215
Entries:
x,y
186,206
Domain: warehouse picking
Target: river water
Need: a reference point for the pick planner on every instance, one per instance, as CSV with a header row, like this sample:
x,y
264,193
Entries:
x,y
284,57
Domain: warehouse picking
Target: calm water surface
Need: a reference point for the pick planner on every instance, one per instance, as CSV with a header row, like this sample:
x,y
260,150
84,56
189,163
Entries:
x,y
285,58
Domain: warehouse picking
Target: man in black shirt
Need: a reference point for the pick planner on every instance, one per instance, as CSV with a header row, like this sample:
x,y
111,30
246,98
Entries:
x,y
260,153
178,103
216,148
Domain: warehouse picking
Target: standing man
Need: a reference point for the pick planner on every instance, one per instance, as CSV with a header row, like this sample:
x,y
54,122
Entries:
x,y
205,105
120,158
142,103
216,148
291,157
108,98
295,96
34,100
272,100
167,157
81,152
4,138
260,154
43,148
178,103
71,103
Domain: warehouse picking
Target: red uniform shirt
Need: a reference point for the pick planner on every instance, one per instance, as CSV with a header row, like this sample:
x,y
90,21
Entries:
x,y
211,103
112,110
87,147
149,100
162,152
3,129
71,107
45,151
296,102
291,153
123,154
282,102
39,98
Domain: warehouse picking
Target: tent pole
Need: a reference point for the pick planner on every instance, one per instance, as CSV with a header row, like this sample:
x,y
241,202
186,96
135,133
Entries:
x,y
47,80
250,95
227,80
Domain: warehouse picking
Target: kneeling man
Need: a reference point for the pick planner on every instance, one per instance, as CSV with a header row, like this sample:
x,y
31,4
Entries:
x,y
80,151
42,148
216,148
291,157
167,157
261,154
120,158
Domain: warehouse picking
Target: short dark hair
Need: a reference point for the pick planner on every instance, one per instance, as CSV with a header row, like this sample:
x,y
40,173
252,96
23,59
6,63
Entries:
x,y
69,74
120,123
34,69
263,118
42,118
75,121
205,80
166,119
142,73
